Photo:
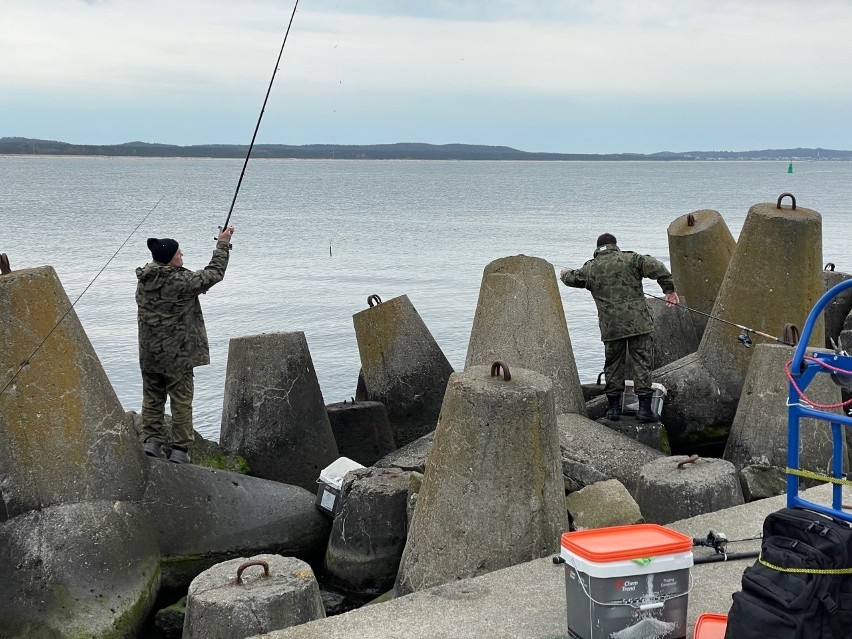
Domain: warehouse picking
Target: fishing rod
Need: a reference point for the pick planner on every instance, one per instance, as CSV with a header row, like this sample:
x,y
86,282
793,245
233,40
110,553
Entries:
x,y
79,297
744,339
260,117
719,543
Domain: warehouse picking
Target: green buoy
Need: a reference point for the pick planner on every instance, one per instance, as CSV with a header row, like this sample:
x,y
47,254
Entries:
x,y
790,168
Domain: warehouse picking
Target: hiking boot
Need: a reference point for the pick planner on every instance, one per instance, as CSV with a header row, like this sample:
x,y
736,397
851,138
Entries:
x,y
179,455
613,413
153,449
645,414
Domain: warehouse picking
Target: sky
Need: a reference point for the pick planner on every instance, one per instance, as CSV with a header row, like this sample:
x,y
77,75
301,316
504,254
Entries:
x,y
572,76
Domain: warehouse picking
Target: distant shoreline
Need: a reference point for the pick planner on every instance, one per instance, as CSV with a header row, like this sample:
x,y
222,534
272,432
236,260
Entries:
x,y
12,146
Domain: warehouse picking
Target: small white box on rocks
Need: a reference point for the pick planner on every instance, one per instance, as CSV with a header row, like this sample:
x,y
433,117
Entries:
x,y
330,482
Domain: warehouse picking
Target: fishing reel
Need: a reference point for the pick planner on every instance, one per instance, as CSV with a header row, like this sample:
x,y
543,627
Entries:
x,y
715,540
744,339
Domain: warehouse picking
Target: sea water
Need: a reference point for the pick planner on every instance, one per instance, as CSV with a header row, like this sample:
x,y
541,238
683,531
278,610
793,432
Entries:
x,y
316,238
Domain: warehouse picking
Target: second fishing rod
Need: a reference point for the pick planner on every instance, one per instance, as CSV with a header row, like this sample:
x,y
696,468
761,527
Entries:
x,y
743,337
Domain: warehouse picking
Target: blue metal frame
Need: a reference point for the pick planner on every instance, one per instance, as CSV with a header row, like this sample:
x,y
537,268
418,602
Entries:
x,y
804,373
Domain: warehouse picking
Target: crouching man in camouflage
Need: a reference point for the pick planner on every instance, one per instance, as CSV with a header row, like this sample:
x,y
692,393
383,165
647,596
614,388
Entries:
x,y
614,278
173,340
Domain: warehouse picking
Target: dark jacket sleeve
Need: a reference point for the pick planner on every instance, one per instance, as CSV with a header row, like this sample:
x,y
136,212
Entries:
x,y
197,282
654,269
576,278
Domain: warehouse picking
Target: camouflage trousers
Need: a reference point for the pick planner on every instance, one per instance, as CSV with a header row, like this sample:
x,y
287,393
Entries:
x,y
632,356
179,388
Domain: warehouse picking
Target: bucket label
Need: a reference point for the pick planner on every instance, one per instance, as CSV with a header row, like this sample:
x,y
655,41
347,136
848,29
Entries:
x,y
327,501
651,606
626,585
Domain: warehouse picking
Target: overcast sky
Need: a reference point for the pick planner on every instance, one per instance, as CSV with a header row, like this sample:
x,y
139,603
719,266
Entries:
x,y
574,76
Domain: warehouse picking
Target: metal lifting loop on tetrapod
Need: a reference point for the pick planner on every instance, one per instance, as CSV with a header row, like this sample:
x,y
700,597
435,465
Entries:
x,y
254,562
497,367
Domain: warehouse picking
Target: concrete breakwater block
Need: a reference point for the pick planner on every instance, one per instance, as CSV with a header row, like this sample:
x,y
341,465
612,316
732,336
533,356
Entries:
x,y
759,432
520,320
592,452
202,516
700,249
368,534
675,334
362,430
779,250
837,310
673,488
402,366
652,434
64,436
77,570
245,597
496,450
274,414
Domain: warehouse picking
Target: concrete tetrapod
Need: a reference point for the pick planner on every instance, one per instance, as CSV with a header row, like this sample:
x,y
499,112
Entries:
x,y
274,414
673,488
86,520
700,249
69,469
402,366
368,534
361,430
837,310
759,432
520,320
492,494
244,597
779,252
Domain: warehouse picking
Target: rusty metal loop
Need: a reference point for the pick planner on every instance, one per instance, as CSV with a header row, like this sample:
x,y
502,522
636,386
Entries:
x,y
790,334
689,460
599,377
829,267
782,196
374,298
5,269
690,220
254,562
496,368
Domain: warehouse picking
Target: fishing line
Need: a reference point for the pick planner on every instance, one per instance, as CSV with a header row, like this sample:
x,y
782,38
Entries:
x,y
70,308
260,117
746,342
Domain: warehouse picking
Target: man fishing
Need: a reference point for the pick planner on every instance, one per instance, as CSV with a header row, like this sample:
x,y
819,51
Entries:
x,y
173,340
614,278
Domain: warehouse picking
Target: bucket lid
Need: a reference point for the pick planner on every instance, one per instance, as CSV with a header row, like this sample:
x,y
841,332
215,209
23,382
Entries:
x,y
709,626
618,543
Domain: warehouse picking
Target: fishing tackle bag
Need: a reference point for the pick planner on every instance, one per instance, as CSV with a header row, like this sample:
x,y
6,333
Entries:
x,y
801,585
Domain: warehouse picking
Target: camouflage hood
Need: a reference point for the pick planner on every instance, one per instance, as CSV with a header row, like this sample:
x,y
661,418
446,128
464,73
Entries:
x,y
172,335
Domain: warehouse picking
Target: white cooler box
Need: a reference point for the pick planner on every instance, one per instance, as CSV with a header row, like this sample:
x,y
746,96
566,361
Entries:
x,y
330,482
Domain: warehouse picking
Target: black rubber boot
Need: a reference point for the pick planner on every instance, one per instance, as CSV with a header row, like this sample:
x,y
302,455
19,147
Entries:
x,y
613,413
645,414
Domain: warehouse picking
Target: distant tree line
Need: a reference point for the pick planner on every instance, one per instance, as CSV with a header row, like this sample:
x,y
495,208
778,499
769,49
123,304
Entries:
x,y
399,151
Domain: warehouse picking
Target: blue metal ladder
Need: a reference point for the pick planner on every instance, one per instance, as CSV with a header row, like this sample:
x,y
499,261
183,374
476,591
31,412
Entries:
x,y
804,373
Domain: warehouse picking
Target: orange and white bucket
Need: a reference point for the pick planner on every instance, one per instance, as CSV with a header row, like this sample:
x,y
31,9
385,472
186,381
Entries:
x,y
627,582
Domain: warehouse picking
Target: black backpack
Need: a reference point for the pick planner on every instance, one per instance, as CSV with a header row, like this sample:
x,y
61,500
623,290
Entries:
x,y
801,586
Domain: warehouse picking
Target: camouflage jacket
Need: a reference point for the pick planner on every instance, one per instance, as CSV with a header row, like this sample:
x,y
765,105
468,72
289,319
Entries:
x,y
614,278
172,336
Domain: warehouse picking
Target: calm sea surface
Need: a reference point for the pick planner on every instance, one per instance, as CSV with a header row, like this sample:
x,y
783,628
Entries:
x,y
315,238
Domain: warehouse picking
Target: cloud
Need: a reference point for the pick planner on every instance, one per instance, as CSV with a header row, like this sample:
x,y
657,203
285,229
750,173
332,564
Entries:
x,y
386,55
